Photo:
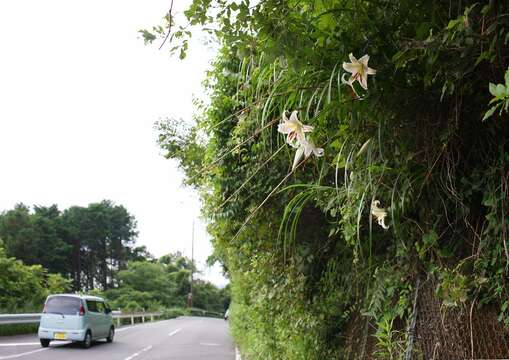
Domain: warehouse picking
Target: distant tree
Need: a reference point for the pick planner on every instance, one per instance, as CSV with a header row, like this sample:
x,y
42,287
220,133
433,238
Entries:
x,y
17,233
179,270
143,284
74,222
163,283
36,238
138,253
144,276
87,244
101,235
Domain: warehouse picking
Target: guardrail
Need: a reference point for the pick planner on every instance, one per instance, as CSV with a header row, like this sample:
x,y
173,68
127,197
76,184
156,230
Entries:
x,y
10,319
201,312
118,316
7,319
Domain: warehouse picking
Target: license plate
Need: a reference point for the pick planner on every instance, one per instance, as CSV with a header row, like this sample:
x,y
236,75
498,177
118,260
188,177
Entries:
x,y
59,336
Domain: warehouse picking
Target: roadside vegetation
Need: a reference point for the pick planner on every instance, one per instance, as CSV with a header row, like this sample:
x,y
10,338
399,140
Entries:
x,y
348,149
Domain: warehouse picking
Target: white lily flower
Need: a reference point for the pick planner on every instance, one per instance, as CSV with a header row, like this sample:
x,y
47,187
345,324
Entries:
x,y
359,70
294,129
306,148
379,213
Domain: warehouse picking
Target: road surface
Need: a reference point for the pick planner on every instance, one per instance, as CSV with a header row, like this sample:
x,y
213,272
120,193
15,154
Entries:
x,y
186,338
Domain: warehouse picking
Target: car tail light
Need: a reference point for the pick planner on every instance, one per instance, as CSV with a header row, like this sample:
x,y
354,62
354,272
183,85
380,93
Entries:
x,y
82,310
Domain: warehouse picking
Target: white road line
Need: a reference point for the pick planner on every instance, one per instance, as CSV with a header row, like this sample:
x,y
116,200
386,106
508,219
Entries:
x,y
209,344
138,353
124,328
21,344
237,354
174,332
147,324
22,354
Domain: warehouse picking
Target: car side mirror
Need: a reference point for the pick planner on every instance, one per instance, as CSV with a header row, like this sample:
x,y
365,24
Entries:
x,y
107,311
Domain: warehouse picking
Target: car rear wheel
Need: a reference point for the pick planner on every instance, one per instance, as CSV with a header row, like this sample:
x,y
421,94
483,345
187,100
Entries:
x,y
111,335
87,342
44,342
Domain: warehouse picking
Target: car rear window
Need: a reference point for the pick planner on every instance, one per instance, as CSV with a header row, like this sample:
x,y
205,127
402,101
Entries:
x,y
65,305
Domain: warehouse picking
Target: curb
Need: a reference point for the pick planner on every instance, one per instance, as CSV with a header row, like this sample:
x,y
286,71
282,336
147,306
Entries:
x,y
237,354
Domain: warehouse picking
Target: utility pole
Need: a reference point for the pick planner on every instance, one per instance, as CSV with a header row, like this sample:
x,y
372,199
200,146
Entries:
x,y
190,295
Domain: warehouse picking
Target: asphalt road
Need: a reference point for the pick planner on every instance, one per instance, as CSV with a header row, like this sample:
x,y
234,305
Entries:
x,y
186,338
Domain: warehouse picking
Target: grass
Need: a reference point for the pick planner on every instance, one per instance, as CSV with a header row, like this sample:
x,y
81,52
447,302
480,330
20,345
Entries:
x,y
18,329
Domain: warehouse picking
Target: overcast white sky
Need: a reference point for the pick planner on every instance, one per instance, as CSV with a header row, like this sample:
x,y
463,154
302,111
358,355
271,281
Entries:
x,y
79,94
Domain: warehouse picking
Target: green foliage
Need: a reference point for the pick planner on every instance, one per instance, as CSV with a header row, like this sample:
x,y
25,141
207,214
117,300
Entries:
x,y
24,288
453,288
35,238
500,99
163,284
179,140
304,252
143,286
172,313
16,329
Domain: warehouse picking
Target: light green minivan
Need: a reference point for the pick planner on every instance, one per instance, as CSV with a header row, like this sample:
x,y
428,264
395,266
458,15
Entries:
x,y
78,318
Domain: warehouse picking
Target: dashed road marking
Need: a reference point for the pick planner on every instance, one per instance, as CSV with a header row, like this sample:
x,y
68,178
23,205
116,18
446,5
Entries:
x,y
210,344
124,328
21,344
174,332
139,353
21,354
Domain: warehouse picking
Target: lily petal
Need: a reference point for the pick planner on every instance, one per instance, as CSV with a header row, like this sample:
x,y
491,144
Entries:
x,y
298,156
344,81
364,60
294,142
379,213
283,128
381,222
318,152
308,150
349,83
351,68
363,80
293,117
